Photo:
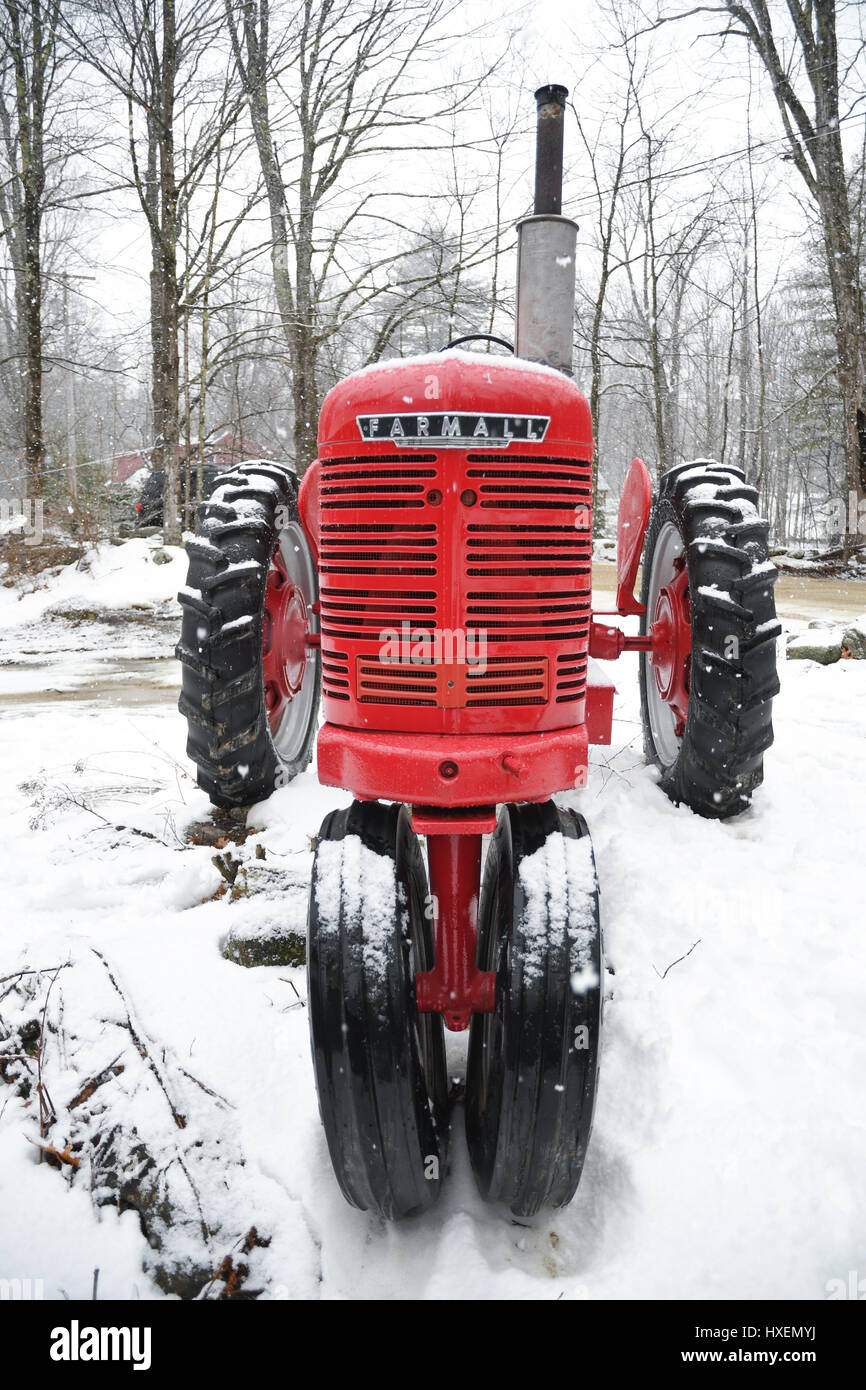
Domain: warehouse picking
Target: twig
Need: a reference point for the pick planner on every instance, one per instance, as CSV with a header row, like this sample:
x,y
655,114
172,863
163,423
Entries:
x,y
150,1061
95,1082
301,1002
207,1090
43,971
47,1113
679,958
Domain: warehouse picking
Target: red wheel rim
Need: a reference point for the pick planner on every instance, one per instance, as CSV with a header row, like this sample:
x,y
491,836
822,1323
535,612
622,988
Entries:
x,y
671,631
284,641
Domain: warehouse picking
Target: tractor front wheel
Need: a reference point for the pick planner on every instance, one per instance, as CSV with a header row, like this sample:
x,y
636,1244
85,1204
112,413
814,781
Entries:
x,y
533,1062
707,686
379,1064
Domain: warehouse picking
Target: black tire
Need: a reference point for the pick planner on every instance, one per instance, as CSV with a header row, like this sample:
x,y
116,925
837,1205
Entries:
x,y
715,762
533,1062
240,758
379,1064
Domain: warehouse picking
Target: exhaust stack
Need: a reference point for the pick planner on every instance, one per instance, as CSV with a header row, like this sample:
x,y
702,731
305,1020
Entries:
x,y
546,245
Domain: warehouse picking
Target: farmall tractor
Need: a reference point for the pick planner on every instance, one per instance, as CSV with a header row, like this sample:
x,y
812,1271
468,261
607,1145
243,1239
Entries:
x,y
432,577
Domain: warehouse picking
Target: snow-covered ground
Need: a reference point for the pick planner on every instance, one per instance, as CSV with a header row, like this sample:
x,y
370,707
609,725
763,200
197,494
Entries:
x,y
727,1154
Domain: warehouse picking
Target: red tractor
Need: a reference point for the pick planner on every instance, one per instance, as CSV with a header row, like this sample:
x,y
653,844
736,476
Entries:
x,y
432,574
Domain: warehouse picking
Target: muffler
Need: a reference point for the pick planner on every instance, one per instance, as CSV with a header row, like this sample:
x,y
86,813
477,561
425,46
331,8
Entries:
x,y
546,246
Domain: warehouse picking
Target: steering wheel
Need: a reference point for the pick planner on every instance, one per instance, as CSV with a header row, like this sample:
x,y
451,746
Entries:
x,y
474,337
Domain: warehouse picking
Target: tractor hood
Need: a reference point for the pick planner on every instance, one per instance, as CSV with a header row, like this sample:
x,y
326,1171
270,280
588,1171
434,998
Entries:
x,y
455,399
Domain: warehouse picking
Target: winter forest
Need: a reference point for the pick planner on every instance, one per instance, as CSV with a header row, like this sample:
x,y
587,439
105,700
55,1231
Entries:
x,y
382,856
213,211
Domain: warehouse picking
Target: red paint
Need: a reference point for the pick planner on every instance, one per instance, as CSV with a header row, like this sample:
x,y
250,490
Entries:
x,y
599,708
284,641
607,643
671,631
455,987
459,820
308,507
634,511
490,768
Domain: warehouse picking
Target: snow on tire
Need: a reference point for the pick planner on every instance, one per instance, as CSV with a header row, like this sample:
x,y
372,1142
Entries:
x,y
707,689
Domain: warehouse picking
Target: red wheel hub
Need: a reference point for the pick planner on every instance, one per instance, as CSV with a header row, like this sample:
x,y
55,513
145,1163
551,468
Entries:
x,y
284,641
671,632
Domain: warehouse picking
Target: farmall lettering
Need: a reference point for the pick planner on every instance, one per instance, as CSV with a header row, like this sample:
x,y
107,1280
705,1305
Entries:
x,y
457,430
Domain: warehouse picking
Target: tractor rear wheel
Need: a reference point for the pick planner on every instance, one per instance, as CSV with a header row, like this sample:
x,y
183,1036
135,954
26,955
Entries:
x,y
250,688
533,1062
707,687
379,1064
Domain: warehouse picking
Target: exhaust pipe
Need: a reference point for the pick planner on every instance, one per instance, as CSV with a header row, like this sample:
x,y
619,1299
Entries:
x,y
546,246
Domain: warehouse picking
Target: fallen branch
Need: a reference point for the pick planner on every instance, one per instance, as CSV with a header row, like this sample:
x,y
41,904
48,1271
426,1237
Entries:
x,y
90,1087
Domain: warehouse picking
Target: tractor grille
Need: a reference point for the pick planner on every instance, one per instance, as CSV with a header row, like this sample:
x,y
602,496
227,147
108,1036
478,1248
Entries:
x,y
380,550
558,554
406,561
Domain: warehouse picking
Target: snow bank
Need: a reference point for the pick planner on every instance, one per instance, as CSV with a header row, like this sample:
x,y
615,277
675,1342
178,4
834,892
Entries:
x,y
136,573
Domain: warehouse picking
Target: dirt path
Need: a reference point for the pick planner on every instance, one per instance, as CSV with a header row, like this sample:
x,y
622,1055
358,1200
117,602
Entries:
x,y
797,596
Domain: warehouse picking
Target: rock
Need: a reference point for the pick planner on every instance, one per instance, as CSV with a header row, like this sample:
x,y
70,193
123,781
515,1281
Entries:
x,y
854,643
276,947
816,644
161,557
822,623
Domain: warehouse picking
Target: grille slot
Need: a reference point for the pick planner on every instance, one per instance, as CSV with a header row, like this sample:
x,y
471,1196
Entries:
x,y
379,548
367,612
543,483
335,675
501,680
352,484
570,677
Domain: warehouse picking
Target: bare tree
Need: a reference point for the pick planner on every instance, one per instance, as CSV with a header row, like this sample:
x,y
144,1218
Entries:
x,y
29,68
345,71
800,53
156,54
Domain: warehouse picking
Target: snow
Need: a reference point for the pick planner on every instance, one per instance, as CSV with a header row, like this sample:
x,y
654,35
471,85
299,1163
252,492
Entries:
x,y
726,1157
437,359
108,577
357,890
558,882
